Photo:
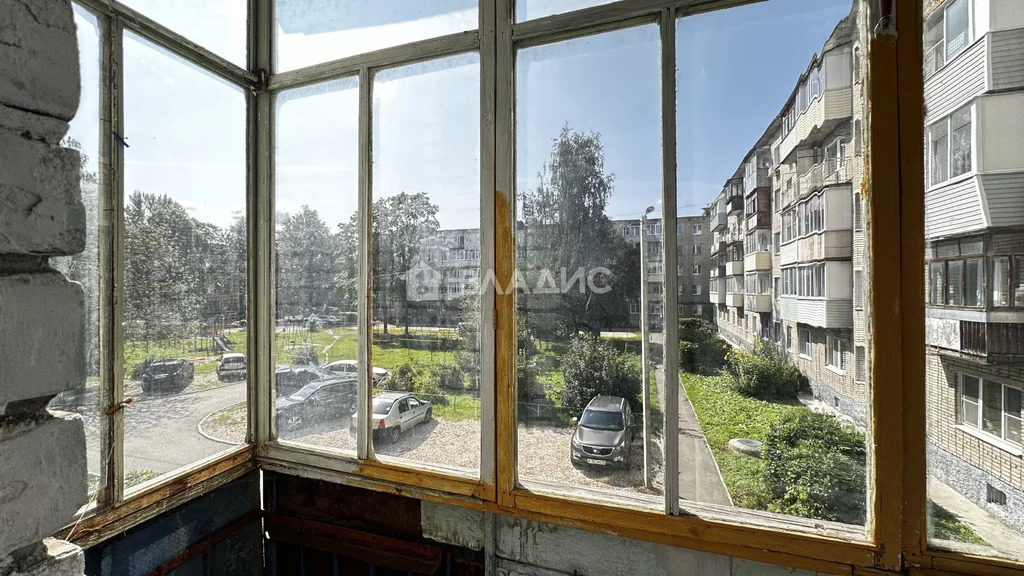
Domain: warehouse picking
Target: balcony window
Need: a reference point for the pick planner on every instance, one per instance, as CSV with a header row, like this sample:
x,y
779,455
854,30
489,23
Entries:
x,y
954,284
939,153
960,142
958,28
974,295
1001,282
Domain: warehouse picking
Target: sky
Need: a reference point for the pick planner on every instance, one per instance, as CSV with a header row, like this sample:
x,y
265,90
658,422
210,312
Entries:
x,y
185,130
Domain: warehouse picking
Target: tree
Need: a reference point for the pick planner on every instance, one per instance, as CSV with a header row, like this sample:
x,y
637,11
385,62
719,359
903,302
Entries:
x,y
400,225
566,234
306,265
593,367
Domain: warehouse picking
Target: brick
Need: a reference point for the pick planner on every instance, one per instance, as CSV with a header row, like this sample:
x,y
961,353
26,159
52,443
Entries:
x,y
42,336
33,126
41,210
43,479
39,57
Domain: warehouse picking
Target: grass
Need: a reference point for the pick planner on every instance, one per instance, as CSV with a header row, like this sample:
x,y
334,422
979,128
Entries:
x,y
724,415
458,407
234,415
946,526
131,478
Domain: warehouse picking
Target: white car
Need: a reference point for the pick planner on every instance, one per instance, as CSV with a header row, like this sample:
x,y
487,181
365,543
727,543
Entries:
x,y
396,412
352,366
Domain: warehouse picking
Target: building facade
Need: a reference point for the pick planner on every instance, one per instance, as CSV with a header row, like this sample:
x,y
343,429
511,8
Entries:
x,y
788,252
974,232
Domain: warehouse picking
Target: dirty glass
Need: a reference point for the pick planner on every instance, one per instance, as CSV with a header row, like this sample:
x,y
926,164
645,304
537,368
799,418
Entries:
x,y
774,395
308,32
588,189
217,25
426,247
974,328
316,266
531,9
83,135
184,263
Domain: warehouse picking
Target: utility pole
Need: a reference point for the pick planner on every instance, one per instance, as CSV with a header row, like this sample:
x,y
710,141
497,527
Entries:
x,y
644,335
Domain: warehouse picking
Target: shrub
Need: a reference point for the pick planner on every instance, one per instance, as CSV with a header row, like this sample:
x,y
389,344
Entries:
x,y
305,356
815,468
405,377
528,384
448,376
592,367
763,374
701,349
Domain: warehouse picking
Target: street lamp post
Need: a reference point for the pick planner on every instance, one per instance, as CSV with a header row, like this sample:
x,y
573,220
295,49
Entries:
x,y
644,335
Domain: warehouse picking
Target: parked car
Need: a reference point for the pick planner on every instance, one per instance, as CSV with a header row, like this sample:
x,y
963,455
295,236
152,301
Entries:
x,y
291,379
396,412
232,366
319,401
352,367
604,433
172,375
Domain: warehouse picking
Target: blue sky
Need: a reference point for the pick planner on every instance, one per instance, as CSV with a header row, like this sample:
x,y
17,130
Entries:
x,y
186,130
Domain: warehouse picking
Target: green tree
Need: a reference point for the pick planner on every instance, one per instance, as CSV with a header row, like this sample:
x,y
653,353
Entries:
x,y
593,367
400,225
306,263
565,228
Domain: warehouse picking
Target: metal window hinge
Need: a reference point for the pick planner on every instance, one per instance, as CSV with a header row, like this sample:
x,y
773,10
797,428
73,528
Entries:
x,y
258,85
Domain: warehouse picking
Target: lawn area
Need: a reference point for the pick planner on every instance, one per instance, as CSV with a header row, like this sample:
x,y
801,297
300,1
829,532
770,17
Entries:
x,y
389,355
724,415
457,407
946,526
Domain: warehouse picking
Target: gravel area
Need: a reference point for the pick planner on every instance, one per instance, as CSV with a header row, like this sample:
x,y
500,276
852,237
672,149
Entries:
x,y
543,451
544,455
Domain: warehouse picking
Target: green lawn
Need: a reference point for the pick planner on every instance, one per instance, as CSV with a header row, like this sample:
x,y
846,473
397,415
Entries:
x,y
946,526
234,415
724,415
458,407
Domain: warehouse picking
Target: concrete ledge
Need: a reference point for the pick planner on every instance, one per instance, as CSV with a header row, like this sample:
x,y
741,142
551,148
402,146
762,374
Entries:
x,y
52,558
42,336
41,210
39,57
43,479
33,126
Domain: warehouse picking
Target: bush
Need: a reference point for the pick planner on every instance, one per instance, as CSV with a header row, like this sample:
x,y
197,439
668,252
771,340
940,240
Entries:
x,y
815,468
405,377
448,376
701,349
528,385
305,356
763,374
592,367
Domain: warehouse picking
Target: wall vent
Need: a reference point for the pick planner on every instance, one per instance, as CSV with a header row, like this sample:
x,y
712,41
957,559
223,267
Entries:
x,y
994,495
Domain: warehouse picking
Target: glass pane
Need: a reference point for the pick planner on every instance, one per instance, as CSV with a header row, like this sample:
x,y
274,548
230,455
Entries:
x,y
316,197
588,176
308,32
426,261
184,262
1017,282
992,408
217,25
770,398
975,489
83,268
530,9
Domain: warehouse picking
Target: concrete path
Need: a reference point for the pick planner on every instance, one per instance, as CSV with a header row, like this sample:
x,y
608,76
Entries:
x,y
999,535
699,478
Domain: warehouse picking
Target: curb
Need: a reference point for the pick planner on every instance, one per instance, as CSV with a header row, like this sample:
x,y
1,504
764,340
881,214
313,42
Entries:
x,y
199,427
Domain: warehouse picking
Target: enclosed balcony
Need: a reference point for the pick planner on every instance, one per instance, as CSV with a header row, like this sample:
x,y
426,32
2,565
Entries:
x,y
734,196
757,302
734,299
717,293
820,312
719,221
831,171
987,342
734,268
757,261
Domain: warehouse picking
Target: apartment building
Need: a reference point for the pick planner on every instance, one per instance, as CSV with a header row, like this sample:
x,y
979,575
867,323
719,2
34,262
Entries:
x,y
693,248
788,249
974,233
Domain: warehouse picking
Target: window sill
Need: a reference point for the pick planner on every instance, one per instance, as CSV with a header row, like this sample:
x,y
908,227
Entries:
x,y
950,181
838,371
804,356
992,440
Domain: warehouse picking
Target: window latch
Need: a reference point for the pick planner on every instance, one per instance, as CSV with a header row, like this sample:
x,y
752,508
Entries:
x,y
118,407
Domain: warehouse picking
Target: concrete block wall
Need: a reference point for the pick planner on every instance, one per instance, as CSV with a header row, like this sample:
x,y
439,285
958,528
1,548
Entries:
x,y
43,476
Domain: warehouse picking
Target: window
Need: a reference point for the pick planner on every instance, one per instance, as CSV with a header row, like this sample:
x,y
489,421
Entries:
x,y
697,269
697,249
858,289
861,363
950,152
938,156
805,342
697,229
957,27
974,294
789,338
697,289
954,284
1001,281
991,406
835,352
697,310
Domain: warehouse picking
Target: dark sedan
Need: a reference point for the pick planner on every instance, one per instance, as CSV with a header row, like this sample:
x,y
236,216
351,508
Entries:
x,y
290,380
317,402
168,375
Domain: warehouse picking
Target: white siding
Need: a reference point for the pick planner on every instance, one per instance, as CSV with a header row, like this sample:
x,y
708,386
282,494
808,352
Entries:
x,y
1005,14
1000,132
1006,58
1005,196
953,209
820,312
958,82
839,280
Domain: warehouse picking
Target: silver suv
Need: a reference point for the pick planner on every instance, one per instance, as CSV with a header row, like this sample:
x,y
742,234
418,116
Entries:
x,y
604,433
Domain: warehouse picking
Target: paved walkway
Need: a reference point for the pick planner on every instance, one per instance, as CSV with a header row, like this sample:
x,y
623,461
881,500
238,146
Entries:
x,y
699,478
994,532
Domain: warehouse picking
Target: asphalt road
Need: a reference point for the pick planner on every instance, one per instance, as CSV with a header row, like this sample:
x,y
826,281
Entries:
x,y
161,432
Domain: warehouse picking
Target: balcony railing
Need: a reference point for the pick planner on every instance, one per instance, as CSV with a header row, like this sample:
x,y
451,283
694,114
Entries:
x,y
734,204
934,58
995,342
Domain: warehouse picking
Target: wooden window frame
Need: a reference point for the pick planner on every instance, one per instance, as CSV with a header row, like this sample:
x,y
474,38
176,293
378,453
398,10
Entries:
x,y
897,534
